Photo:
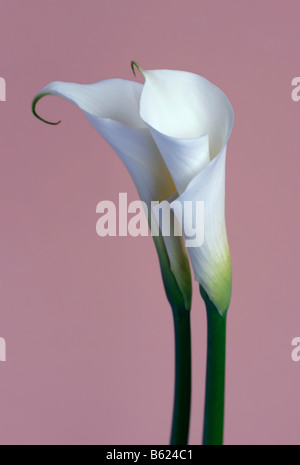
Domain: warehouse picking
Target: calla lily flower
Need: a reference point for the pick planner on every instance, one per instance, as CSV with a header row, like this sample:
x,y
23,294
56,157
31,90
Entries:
x,y
190,120
172,135
112,107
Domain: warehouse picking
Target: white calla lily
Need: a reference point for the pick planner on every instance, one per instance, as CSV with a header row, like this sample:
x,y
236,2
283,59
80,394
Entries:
x,y
191,120
112,107
171,133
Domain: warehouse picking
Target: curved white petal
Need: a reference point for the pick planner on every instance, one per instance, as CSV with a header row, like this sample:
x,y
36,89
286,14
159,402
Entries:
x,y
112,107
191,120
176,152
211,261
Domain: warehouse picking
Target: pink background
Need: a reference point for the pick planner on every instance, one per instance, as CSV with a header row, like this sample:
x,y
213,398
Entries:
x,y
87,326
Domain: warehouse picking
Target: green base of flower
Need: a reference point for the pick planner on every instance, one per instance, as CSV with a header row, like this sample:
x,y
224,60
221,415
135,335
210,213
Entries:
x,y
215,374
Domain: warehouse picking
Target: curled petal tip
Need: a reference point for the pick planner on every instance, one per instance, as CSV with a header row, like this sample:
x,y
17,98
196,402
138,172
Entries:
x,y
134,65
34,103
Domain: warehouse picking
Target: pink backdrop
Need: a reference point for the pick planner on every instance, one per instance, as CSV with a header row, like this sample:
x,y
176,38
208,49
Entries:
x,y
87,326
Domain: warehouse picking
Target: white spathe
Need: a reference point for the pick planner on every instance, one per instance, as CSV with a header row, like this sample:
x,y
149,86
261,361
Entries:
x,y
191,120
112,107
172,136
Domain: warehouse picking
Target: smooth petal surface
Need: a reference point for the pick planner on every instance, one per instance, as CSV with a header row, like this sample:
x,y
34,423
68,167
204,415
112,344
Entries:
x,y
112,107
190,120
211,261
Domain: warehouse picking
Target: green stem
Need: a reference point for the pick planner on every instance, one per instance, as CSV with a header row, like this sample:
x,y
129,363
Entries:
x,y
215,375
182,400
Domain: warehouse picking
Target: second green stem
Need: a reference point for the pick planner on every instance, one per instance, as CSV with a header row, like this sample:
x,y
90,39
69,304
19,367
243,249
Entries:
x,y
215,375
